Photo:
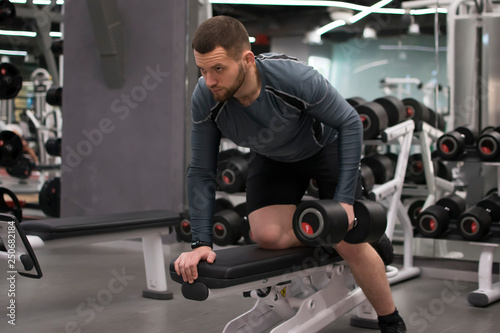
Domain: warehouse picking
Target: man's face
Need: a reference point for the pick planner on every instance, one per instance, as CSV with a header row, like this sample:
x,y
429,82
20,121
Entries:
x,y
223,75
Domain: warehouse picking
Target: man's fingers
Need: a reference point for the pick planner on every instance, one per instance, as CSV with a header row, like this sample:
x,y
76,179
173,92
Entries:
x,y
211,257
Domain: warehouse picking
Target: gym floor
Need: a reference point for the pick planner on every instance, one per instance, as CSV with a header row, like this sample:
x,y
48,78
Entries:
x,y
97,288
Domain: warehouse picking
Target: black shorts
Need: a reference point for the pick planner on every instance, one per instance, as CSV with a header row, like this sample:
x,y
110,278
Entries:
x,y
280,183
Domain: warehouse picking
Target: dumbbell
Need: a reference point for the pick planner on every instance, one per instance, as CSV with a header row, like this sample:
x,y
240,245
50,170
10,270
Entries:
x,y
49,197
232,174
488,144
475,222
434,220
54,96
183,229
367,178
11,80
415,172
227,228
312,188
414,210
53,146
11,148
416,110
22,169
382,166
452,145
325,222
374,119
242,211
394,107
355,101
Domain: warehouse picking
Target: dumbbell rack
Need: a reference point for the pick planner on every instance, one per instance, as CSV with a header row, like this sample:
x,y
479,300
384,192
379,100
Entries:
x,y
488,292
389,194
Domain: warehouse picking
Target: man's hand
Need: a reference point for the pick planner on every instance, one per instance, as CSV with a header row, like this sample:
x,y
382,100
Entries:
x,y
186,264
350,214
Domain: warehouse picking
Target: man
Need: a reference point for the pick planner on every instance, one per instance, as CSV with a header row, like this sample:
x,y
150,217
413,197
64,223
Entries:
x,y
299,128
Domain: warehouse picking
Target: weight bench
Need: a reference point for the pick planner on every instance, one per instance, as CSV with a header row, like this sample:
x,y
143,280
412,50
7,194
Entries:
x,y
73,231
297,290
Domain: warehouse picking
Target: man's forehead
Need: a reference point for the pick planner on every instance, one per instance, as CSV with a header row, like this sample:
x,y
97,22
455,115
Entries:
x,y
218,55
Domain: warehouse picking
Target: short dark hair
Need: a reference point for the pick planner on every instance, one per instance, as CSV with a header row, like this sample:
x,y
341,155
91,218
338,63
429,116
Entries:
x,y
223,31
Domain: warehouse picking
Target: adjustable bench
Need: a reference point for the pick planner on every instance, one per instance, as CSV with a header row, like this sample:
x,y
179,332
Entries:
x,y
297,290
67,232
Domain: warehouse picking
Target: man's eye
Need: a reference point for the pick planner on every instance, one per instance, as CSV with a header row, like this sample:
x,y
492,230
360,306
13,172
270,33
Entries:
x,y
218,69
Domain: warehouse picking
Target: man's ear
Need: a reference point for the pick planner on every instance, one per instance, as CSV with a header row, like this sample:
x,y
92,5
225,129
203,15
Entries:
x,y
249,58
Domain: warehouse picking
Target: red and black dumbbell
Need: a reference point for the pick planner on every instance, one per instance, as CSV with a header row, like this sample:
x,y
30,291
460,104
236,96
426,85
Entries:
x,y
374,119
452,145
394,108
183,229
325,222
232,173
416,110
435,219
382,166
227,228
488,144
475,222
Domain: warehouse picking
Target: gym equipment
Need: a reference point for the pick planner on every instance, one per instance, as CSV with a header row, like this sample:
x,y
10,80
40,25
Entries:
x,y
355,101
183,230
54,96
452,145
416,110
11,148
53,146
434,220
488,144
227,228
299,289
395,109
382,167
374,119
312,188
232,173
22,169
11,81
414,210
49,197
242,211
325,223
475,222
367,178
75,231
13,206
415,172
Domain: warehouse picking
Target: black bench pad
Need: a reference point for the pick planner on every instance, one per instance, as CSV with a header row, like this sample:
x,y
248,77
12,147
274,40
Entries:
x,y
93,225
248,263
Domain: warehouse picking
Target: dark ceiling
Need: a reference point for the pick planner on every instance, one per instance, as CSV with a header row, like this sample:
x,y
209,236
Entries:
x,y
280,21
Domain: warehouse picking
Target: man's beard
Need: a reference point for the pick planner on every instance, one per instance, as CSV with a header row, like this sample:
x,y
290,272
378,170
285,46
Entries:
x,y
229,92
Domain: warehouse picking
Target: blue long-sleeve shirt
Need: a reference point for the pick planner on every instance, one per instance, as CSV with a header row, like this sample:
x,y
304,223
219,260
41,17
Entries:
x,y
296,114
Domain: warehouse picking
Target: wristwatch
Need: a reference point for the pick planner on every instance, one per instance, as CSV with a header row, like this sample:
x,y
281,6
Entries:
x,y
197,244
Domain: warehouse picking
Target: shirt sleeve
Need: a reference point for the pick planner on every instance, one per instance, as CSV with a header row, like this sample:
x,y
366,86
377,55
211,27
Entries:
x,y
332,110
201,175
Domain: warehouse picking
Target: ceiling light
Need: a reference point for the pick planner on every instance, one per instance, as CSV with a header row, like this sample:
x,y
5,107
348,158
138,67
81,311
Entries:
x,y
15,53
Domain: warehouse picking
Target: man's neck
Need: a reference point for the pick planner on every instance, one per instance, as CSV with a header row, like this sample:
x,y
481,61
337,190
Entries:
x,y
250,89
